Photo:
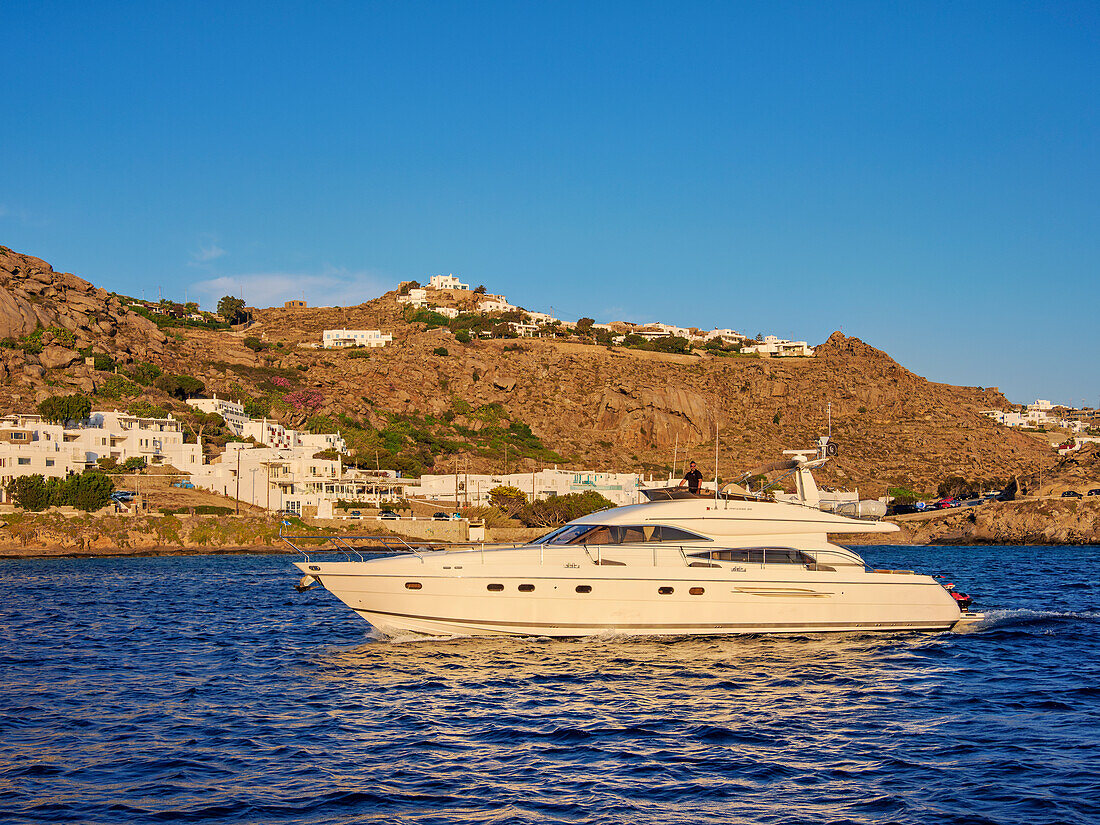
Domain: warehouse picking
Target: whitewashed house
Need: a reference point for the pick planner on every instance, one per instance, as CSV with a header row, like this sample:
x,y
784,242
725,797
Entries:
x,y
231,411
446,282
775,346
418,297
348,338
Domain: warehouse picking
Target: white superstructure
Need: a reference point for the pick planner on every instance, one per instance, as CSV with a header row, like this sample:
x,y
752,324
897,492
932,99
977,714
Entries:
x,y
687,565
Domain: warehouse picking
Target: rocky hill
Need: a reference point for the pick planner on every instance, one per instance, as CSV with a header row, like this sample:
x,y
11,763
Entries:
x,y
47,319
428,401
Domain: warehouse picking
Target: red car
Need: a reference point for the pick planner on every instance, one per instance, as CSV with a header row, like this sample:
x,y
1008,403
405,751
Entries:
x,y
944,503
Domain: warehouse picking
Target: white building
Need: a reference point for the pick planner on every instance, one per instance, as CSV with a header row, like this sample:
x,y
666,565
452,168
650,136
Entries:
x,y
446,282
273,434
274,478
1040,414
473,489
231,411
542,318
524,330
495,305
775,346
29,445
446,312
345,338
416,297
726,336
652,332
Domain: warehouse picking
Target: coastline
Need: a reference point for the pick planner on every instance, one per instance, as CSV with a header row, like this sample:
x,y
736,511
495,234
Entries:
x,y
1037,522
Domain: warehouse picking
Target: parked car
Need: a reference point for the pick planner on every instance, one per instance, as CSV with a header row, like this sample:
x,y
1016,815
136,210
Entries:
x,y
388,515
187,485
355,514
901,509
123,496
440,517
1094,492
1071,494
944,503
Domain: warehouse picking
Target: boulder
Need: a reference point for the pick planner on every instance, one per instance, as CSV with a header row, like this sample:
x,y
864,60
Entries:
x,y
54,358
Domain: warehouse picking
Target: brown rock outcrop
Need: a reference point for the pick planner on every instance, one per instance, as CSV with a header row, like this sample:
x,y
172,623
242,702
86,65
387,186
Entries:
x,y
33,297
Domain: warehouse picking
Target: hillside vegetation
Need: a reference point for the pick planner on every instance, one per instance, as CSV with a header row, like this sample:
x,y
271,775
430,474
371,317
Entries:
x,y
432,402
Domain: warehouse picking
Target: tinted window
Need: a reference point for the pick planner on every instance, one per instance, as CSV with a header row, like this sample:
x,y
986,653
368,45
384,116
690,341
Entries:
x,y
597,535
676,534
549,537
618,534
568,534
628,535
758,555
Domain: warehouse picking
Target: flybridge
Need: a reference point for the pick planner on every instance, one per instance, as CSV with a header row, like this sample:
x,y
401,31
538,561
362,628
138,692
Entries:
x,y
801,465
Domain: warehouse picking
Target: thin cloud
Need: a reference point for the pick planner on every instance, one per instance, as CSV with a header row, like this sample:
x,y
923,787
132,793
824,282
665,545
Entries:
x,y
336,287
207,253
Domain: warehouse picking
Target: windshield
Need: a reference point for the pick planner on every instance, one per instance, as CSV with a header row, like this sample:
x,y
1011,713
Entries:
x,y
617,534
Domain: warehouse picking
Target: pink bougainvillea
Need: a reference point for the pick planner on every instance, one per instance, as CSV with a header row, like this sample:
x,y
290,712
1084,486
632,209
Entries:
x,y
304,400
279,381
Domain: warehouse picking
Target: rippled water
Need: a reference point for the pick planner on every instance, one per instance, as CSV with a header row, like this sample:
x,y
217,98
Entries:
x,y
205,689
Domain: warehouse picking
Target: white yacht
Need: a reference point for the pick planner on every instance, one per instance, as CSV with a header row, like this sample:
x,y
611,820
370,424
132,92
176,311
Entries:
x,y
680,564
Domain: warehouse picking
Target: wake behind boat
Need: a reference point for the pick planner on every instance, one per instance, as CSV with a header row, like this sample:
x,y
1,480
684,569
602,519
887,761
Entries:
x,y
680,564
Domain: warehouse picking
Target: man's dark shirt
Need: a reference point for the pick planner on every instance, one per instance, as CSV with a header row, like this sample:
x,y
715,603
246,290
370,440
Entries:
x,y
693,478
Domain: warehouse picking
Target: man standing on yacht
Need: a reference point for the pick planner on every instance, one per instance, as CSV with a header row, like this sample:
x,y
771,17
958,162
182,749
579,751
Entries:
x,y
693,478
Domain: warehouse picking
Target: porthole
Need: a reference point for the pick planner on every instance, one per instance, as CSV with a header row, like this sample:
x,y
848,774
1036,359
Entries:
x,y
526,588
413,585
584,588
696,591
495,588
664,591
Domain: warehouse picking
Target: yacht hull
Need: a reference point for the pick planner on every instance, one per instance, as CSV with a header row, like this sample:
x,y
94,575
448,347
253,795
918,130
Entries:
x,y
709,602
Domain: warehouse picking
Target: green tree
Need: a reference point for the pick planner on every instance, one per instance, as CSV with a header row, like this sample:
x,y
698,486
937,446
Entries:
x,y
57,409
29,493
88,491
118,386
102,363
144,409
258,407
145,373
232,310
180,386
463,336
902,495
507,499
561,509
584,326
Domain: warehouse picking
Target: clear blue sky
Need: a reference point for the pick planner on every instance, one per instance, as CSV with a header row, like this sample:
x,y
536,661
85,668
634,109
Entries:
x,y
924,176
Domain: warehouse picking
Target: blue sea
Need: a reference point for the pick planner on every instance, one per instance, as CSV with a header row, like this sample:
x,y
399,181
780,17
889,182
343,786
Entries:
x,y
205,689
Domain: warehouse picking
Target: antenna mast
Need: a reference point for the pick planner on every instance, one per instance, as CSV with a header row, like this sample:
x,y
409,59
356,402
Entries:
x,y
716,462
